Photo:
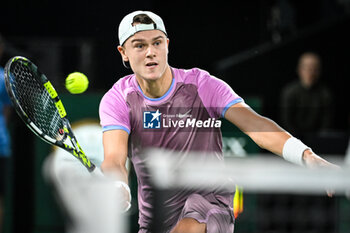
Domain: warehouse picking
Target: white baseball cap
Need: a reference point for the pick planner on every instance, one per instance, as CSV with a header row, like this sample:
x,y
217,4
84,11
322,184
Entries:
x,y
126,29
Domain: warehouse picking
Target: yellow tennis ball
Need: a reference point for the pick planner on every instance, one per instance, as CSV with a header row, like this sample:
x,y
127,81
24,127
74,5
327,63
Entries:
x,y
77,83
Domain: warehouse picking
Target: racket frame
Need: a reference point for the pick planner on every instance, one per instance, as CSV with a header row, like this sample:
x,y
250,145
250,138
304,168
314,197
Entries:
x,y
75,149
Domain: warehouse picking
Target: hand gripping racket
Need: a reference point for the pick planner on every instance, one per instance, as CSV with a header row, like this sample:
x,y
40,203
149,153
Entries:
x,y
37,103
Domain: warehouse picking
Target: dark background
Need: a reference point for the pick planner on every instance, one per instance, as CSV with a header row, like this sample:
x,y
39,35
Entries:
x,y
240,42
253,45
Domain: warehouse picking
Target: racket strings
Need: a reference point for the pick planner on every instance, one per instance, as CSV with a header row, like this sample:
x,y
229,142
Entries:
x,y
35,101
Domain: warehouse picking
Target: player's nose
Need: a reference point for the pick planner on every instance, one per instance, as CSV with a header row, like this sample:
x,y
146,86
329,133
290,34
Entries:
x,y
150,52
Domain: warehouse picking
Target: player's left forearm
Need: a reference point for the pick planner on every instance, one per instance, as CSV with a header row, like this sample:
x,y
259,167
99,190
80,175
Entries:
x,y
269,136
263,131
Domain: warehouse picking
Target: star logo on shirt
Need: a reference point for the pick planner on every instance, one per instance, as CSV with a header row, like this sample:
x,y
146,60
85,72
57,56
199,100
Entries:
x,y
156,115
151,119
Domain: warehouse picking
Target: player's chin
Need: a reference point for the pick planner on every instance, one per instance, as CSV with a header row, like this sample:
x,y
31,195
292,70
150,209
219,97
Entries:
x,y
152,74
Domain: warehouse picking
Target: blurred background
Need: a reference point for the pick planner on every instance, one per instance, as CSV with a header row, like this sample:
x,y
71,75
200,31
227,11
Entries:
x,y
253,45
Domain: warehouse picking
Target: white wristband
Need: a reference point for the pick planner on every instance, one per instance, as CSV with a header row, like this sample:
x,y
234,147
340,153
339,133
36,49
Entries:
x,y
293,150
120,184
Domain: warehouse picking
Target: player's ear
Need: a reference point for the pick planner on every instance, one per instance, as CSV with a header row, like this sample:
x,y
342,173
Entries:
x,y
121,50
167,42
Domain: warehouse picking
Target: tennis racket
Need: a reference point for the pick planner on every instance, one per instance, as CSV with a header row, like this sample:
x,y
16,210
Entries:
x,y
37,103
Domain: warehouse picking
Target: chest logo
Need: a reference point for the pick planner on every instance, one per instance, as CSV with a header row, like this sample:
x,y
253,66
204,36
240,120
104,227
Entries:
x,y
151,119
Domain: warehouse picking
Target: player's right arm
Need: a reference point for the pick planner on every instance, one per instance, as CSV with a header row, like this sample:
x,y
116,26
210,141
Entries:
x,y
115,145
115,122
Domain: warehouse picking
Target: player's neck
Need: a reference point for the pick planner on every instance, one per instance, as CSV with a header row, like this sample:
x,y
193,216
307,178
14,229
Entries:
x,y
156,88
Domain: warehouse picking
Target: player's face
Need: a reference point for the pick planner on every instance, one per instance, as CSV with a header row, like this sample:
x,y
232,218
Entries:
x,y
147,53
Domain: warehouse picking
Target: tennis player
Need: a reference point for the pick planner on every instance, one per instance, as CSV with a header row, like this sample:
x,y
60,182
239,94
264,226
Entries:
x,y
165,107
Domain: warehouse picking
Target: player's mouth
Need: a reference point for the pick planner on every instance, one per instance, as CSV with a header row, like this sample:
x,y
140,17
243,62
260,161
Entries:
x,y
151,64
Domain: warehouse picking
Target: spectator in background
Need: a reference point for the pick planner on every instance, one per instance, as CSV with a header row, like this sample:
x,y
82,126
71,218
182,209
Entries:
x,y
4,136
306,103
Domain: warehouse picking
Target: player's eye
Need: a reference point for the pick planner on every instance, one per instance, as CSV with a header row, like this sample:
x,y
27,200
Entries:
x,y
139,46
157,43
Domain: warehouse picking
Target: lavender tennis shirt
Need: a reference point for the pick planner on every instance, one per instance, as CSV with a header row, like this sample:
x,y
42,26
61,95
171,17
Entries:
x,y
185,119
